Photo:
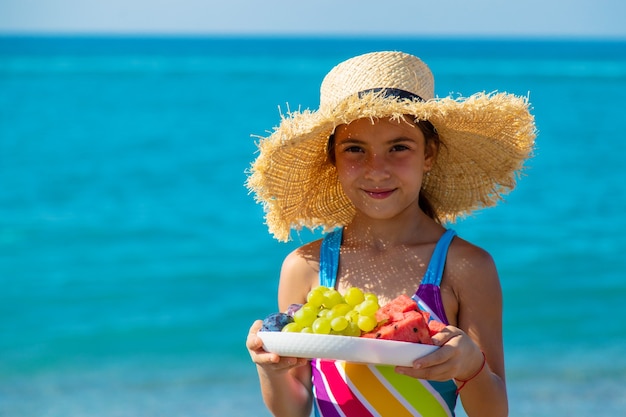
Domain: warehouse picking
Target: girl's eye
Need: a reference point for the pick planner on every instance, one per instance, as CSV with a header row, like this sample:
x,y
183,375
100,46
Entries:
x,y
399,148
353,149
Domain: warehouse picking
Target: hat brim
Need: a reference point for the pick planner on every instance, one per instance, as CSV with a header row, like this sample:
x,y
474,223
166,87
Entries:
x,y
486,139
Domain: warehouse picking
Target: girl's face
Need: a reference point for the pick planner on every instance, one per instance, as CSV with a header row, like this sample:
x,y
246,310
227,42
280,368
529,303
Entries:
x,y
381,164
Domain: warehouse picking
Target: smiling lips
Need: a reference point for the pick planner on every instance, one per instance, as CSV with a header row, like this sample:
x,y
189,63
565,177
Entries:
x,y
379,194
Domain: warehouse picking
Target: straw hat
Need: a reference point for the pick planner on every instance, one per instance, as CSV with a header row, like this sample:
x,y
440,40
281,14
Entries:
x,y
486,139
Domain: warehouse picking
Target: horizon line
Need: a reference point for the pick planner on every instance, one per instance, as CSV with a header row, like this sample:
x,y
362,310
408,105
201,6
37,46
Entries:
x,y
309,35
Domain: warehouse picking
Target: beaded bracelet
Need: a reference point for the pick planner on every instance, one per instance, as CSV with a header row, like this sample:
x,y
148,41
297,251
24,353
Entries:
x,y
463,382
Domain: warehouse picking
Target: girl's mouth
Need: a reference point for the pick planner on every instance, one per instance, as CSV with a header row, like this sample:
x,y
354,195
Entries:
x,y
379,194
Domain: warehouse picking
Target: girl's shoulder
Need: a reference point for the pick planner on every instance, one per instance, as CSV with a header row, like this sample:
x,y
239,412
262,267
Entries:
x,y
470,265
299,274
462,250
307,254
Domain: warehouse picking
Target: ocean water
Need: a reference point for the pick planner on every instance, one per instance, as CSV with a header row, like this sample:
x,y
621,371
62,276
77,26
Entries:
x,y
132,259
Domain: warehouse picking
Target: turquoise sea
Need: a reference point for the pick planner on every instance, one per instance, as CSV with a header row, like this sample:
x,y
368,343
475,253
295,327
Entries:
x,y
132,259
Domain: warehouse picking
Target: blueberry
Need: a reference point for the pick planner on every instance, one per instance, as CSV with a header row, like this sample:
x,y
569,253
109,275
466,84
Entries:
x,y
275,322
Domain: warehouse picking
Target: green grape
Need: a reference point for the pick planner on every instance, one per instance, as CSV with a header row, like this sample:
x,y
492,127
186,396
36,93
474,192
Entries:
x,y
305,315
341,309
292,327
339,323
315,297
354,296
352,329
312,306
371,296
367,323
352,316
332,297
329,312
368,308
321,325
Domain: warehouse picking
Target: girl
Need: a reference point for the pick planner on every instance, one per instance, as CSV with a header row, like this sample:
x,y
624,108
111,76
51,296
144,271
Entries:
x,y
381,165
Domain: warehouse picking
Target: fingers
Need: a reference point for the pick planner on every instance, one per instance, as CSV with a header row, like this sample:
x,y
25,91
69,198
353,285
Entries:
x,y
286,363
448,340
445,335
268,360
254,342
444,363
432,366
256,326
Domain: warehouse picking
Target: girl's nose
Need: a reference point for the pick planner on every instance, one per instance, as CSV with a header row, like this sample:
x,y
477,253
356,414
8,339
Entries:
x,y
376,167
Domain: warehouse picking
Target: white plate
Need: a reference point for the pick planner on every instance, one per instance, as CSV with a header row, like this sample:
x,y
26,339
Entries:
x,y
350,349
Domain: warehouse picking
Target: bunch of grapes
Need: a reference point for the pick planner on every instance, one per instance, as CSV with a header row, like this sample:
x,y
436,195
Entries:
x,y
328,312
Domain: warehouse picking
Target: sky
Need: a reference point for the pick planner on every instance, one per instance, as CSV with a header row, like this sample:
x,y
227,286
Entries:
x,y
436,18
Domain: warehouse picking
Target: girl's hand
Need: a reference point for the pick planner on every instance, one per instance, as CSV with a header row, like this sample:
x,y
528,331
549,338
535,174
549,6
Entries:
x,y
458,357
270,362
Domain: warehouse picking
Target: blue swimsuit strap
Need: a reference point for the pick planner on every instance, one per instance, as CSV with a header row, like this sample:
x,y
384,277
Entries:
x,y
329,258
434,273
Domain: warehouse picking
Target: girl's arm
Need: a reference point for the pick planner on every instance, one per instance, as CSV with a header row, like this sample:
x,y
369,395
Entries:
x,y
286,382
477,328
480,317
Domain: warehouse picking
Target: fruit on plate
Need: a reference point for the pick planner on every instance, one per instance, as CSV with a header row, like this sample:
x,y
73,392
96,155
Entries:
x,y
356,313
402,320
326,311
275,322
409,326
435,326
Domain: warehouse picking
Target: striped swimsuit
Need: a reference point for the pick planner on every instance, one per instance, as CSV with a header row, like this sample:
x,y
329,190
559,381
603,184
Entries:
x,y
348,389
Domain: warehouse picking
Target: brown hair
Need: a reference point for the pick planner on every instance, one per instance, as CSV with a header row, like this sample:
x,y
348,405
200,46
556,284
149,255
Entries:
x,y
430,136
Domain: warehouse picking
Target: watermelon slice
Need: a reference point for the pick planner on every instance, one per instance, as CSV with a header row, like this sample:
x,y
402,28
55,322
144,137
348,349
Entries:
x,y
400,304
411,328
435,327
402,320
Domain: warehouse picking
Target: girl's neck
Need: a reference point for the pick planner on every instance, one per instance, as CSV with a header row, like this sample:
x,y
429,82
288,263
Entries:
x,y
385,234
